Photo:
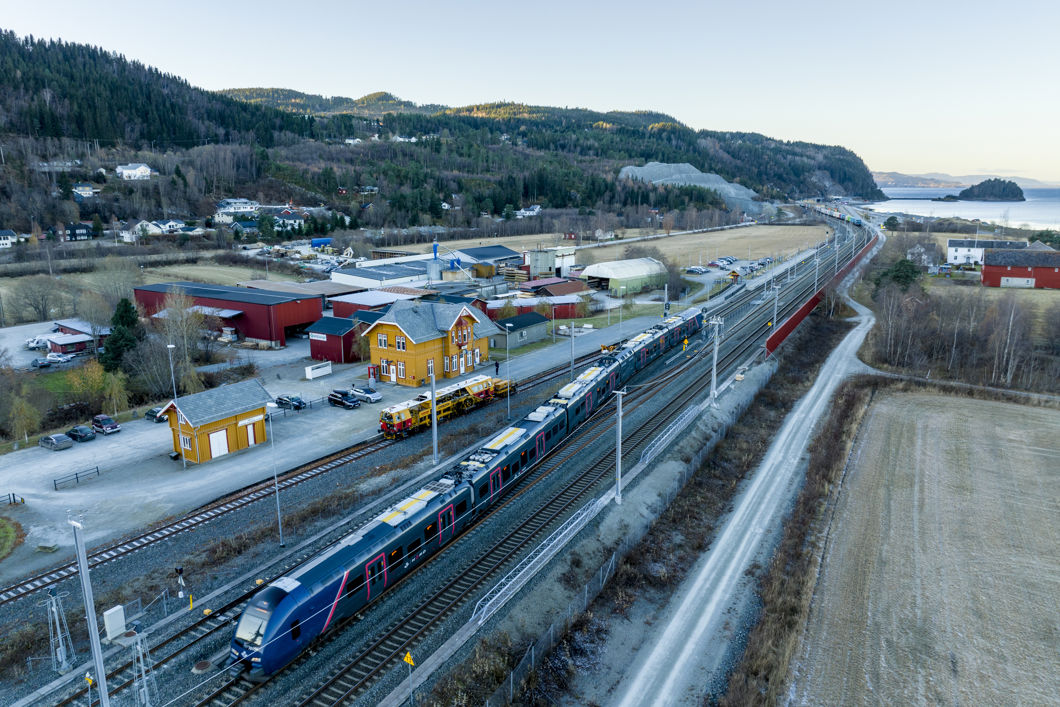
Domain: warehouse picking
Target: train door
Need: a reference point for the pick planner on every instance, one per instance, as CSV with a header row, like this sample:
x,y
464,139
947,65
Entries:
x,y
375,576
588,403
541,445
611,382
495,483
446,525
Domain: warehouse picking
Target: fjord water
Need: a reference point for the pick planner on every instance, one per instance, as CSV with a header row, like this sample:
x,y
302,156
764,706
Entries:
x,y
1040,210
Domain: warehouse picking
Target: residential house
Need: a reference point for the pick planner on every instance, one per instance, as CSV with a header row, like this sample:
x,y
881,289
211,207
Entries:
x,y
84,190
286,221
237,206
134,171
529,211
135,230
245,228
7,238
170,226
414,338
968,251
77,232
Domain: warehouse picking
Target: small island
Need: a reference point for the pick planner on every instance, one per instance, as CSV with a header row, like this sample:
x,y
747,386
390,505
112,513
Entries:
x,y
990,190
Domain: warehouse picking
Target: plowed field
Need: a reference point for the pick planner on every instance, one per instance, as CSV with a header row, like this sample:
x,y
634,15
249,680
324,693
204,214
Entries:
x,y
940,582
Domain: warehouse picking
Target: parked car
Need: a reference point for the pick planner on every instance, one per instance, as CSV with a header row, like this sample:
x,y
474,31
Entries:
x,y
58,357
290,402
367,395
41,363
81,433
714,264
343,398
55,442
152,415
37,342
105,424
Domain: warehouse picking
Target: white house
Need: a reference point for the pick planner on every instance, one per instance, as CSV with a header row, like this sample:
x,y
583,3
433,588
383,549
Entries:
x,y
968,251
237,206
353,141
529,211
169,225
134,170
134,230
287,221
7,238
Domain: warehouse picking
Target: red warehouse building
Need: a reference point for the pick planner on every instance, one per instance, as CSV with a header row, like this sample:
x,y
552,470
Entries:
x,y
256,315
1027,267
335,339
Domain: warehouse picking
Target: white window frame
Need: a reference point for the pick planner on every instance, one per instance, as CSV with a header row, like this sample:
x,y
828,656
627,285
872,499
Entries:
x,y
185,441
383,368
399,343
452,364
430,366
445,363
380,341
401,369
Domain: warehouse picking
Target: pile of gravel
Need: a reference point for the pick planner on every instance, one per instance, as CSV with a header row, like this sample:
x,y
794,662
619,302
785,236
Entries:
x,y
684,174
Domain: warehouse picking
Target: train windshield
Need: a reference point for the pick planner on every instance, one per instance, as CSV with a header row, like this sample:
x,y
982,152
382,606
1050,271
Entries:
x,y
251,627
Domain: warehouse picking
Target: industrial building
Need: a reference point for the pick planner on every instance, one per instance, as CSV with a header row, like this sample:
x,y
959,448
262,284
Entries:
x,y
258,316
563,307
346,305
217,422
1027,267
625,276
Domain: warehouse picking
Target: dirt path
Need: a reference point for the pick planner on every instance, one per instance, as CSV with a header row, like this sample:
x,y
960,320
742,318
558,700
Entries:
x,y
941,578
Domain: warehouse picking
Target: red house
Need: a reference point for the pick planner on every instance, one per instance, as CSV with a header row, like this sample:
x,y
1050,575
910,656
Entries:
x,y
257,315
1027,267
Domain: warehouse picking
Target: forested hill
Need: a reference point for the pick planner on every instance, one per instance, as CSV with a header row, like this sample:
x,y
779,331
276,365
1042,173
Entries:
x,y
373,105
59,89
774,168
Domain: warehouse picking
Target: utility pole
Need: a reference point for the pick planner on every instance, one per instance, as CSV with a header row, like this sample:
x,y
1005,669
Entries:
x,y
666,298
816,271
618,449
571,332
434,413
90,612
717,322
508,365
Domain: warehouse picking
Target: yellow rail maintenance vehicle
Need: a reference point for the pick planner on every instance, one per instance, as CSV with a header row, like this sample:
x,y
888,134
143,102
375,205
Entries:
x,y
411,416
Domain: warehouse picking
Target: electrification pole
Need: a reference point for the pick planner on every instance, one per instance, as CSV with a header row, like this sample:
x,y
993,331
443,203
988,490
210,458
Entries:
x,y
434,414
90,612
571,332
618,449
717,322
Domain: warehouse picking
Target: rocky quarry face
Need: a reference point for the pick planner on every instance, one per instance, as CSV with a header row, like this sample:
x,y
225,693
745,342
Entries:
x,y
684,174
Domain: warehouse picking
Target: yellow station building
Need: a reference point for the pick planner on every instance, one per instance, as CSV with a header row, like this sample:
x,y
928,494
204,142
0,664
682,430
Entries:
x,y
217,422
413,338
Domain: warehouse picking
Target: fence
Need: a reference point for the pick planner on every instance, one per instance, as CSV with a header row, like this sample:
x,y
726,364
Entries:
x,y
311,404
542,647
12,499
75,478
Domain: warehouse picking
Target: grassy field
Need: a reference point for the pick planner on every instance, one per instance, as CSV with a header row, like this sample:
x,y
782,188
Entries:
x,y
940,577
11,536
685,250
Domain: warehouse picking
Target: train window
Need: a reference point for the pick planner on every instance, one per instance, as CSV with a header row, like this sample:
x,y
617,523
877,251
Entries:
x,y
352,586
296,630
395,556
428,533
506,474
461,509
413,547
515,468
523,456
482,490
533,454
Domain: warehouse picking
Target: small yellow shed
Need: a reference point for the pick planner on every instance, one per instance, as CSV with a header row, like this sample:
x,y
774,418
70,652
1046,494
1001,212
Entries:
x,y
220,421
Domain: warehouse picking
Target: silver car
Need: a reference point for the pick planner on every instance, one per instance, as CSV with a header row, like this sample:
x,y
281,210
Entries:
x,y
368,395
56,442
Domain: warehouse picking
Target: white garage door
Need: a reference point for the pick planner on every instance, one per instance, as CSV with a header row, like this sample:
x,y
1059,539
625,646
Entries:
x,y
219,443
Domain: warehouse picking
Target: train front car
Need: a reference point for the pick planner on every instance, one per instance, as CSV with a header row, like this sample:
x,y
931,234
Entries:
x,y
256,646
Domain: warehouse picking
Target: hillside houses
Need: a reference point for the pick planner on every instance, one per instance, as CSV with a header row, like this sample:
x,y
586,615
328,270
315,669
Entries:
x,y
134,171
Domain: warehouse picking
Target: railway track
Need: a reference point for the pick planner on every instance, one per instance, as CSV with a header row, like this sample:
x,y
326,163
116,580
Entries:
x,y
232,502
353,679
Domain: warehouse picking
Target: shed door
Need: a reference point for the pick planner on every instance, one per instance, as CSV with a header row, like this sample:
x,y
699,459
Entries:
x,y
218,443
251,441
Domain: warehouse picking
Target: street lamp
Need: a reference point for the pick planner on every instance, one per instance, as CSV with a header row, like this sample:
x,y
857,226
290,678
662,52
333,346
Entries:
x,y
275,483
508,367
173,379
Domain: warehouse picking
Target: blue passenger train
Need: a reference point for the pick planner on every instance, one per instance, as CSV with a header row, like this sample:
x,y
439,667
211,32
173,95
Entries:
x,y
285,617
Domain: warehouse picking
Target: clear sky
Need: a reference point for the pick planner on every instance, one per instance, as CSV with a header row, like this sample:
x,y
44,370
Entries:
x,y
951,86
